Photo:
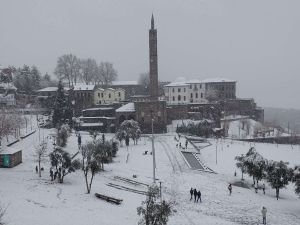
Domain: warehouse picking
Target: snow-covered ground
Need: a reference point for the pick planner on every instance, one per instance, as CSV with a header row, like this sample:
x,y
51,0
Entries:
x,y
31,200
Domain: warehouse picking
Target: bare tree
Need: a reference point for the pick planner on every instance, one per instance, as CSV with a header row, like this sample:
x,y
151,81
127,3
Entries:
x,y
107,73
68,68
89,70
2,213
10,121
41,154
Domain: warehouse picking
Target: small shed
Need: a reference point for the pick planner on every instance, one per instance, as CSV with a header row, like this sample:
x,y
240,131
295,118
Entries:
x,y
10,157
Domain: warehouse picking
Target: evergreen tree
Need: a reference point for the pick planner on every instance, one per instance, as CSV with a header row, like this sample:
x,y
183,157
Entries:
x,y
35,78
278,175
241,164
62,112
297,179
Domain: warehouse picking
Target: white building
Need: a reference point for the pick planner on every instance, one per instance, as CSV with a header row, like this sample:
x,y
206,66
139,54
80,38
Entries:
x,y
199,91
108,95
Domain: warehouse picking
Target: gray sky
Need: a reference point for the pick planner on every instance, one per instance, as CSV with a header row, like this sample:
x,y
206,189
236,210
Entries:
x,y
255,42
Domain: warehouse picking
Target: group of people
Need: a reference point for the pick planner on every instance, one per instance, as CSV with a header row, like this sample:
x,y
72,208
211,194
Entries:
x,y
57,174
180,146
263,188
196,194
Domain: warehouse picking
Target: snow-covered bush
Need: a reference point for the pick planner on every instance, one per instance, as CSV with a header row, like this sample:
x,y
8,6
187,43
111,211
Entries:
x,y
130,129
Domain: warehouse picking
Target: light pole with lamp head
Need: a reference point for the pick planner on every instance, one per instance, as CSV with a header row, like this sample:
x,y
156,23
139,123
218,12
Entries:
x,y
153,149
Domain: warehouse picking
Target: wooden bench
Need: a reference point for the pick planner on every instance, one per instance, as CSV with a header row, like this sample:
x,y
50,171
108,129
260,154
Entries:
x,y
109,199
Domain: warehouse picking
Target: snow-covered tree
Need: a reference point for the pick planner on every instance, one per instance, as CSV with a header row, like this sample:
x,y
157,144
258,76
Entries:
x,y
153,211
62,111
62,135
10,122
63,164
255,165
68,68
278,175
40,155
129,128
297,179
241,164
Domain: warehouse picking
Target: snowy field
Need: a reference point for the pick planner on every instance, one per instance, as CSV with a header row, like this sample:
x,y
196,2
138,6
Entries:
x,y
31,200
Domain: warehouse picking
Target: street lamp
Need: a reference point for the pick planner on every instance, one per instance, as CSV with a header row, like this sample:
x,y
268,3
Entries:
x,y
153,149
73,118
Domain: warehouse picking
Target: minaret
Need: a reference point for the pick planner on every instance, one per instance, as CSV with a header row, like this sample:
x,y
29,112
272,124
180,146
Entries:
x,y
153,61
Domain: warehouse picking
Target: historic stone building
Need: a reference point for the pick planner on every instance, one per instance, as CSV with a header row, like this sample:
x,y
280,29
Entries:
x,y
148,109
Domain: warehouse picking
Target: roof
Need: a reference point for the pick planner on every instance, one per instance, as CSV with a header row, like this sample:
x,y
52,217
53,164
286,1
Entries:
x,y
129,107
7,86
54,89
91,124
84,87
177,84
9,150
104,108
124,83
217,80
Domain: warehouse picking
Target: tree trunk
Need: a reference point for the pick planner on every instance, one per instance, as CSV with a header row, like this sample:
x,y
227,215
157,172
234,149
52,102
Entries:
x,y
91,181
86,181
40,173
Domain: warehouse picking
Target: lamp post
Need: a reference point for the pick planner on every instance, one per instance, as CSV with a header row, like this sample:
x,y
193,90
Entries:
x,y
73,118
153,150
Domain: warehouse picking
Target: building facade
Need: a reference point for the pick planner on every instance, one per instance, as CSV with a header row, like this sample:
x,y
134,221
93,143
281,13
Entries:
x,y
108,96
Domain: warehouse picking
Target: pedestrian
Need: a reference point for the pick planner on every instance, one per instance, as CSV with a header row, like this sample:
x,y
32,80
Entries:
x,y
195,194
256,187
264,214
51,174
186,144
264,188
79,140
230,188
55,175
36,169
191,192
180,145
199,196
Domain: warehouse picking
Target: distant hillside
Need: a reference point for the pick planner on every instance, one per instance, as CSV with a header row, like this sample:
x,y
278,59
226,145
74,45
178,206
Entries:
x,y
283,117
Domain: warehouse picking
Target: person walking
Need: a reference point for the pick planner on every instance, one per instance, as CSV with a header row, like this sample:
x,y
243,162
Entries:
x,y
36,169
195,194
191,192
230,189
199,196
264,188
277,193
51,174
256,187
79,140
264,214
186,144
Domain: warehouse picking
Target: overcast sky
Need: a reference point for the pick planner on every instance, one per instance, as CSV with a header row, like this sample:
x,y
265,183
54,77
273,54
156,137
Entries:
x,y
255,42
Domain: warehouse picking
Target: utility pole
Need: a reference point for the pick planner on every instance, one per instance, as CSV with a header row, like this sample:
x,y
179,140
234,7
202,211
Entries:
x,y
153,151
217,152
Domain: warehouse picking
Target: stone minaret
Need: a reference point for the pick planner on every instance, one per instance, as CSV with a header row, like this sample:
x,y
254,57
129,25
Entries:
x,y
153,61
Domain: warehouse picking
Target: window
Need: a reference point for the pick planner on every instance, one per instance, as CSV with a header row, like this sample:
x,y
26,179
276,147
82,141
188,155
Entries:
x,y
196,95
190,86
119,94
173,90
179,89
201,95
183,89
191,95
173,98
179,97
109,95
200,86
184,98
99,95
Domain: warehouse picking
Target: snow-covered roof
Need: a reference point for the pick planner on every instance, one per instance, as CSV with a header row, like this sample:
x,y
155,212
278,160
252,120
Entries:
x,y
47,89
9,150
129,107
104,108
177,84
217,80
120,83
8,86
91,124
84,87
